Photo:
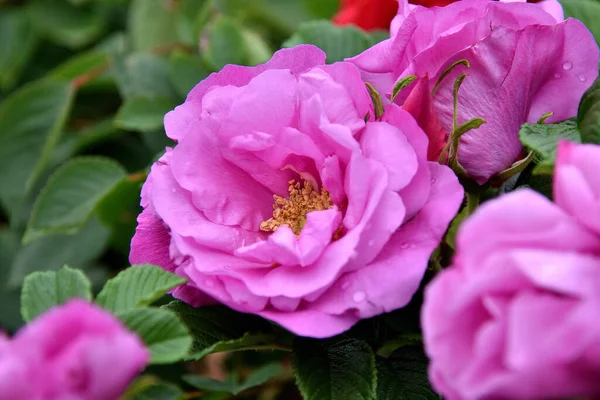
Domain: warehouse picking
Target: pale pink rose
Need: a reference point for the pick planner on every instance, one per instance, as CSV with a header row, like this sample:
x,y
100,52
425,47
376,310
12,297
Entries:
x,y
358,247
516,315
524,63
76,351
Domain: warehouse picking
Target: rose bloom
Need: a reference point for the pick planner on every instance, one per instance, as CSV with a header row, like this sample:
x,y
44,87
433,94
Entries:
x,y
280,200
516,315
76,351
524,62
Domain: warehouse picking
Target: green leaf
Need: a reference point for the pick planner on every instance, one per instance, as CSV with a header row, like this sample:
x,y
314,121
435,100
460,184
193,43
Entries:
x,y
44,290
162,332
136,287
152,23
226,44
403,376
31,120
218,328
588,115
337,42
587,11
257,49
54,251
143,114
158,391
257,378
186,71
321,9
141,75
10,298
260,376
16,47
543,139
209,384
65,24
71,195
454,226
342,370
81,64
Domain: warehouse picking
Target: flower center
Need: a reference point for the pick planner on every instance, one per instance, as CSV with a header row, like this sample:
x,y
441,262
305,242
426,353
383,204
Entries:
x,y
292,211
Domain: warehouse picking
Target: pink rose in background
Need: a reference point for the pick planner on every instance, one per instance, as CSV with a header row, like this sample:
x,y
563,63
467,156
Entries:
x,y
516,316
75,351
523,64
279,200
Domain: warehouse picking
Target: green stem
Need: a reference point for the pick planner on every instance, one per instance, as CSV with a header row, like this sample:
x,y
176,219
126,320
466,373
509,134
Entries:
x,y
473,198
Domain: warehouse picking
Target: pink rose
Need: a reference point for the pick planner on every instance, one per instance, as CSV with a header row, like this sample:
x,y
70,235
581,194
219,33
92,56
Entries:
x,y
516,316
523,64
279,200
75,351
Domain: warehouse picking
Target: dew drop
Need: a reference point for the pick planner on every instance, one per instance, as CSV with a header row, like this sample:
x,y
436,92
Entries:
x,y
371,242
567,65
173,190
359,297
404,246
412,246
432,180
345,285
557,75
581,78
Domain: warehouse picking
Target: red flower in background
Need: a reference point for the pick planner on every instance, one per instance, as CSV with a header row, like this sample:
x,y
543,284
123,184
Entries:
x,y
375,14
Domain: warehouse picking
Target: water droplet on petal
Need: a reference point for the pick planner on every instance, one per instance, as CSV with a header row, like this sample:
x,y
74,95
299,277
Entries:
x,y
557,75
345,285
359,297
404,246
371,242
432,180
173,190
412,246
567,65
581,78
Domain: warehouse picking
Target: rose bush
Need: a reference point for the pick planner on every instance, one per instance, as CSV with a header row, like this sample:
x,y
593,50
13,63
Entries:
x,y
73,351
515,315
280,200
524,62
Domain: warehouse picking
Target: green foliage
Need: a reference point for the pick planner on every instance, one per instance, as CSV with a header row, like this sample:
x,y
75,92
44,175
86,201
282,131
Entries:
x,y
44,290
403,376
586,11
71,195
158,391
143,114
31,120
588,115
544,138
341,370
16,47
136,287
337,42
257,378
161,331
216,329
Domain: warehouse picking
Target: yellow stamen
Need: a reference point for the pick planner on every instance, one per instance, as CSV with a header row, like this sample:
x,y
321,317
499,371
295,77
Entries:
x,y
292,211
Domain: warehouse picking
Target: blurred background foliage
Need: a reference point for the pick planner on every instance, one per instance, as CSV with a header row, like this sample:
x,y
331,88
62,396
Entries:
x,y
84,86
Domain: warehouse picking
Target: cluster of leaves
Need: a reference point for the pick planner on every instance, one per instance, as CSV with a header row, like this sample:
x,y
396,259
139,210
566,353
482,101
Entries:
x,y
84,86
